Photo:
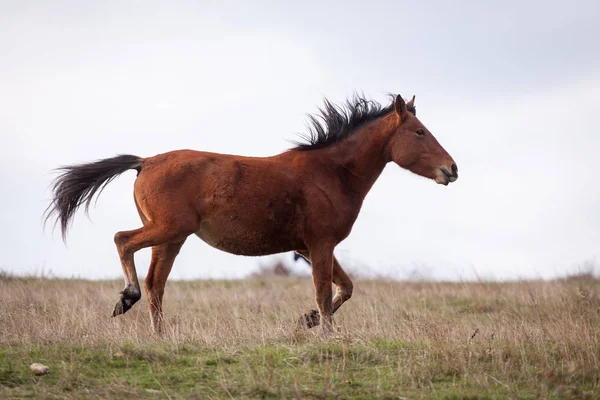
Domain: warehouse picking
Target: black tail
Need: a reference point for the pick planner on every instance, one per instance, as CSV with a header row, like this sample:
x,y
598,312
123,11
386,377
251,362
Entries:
x,y
77,184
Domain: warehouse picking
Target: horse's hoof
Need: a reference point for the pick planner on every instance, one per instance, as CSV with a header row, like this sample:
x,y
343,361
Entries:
x,y
119,309
127,300
311,319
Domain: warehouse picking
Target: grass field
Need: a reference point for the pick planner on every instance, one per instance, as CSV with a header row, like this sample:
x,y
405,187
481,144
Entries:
x,y
240,339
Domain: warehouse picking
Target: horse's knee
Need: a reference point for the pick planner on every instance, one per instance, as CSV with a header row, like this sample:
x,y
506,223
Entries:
x,y
346,290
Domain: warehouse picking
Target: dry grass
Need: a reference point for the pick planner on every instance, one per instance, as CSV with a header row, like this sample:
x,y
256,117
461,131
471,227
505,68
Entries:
x,y
488,340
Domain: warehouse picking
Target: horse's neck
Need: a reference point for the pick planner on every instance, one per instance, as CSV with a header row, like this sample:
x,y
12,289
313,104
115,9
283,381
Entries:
x,y
363,156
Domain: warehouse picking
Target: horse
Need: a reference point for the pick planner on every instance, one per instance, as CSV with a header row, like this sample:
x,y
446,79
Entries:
x,y
305,199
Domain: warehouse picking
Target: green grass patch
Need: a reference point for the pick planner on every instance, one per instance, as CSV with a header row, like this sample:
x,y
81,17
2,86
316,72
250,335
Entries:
x,y
379,369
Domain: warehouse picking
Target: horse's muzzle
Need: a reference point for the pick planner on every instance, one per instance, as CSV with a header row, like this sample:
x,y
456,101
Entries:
x,y
445,175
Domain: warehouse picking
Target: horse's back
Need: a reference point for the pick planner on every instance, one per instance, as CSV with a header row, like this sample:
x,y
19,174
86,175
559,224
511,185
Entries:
x,y
242,205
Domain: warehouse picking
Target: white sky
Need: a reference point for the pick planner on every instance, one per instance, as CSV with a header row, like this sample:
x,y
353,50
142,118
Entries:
x,y
510,90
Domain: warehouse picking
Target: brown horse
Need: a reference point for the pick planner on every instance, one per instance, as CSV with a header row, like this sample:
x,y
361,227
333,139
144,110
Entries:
x,y
305,199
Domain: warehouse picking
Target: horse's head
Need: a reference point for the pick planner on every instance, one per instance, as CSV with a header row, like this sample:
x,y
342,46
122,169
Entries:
x,y
414,148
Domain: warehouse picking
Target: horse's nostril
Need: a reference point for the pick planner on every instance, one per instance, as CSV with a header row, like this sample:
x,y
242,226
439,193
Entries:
x,y
454,169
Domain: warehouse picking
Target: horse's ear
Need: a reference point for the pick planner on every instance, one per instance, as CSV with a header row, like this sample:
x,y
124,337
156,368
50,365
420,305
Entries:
x,y
400,106
410,106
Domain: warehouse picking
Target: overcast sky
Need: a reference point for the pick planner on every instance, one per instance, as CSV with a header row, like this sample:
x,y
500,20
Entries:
x,y
510,90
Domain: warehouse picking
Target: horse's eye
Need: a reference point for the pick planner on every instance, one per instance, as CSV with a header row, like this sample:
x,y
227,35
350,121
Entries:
x,y
420,132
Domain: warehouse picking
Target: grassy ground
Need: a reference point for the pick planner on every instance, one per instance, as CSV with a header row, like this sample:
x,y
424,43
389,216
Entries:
x,y
241,340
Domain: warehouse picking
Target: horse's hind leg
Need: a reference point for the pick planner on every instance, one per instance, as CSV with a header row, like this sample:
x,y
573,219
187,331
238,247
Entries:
x,y
343,292
131,294
163,257
128,242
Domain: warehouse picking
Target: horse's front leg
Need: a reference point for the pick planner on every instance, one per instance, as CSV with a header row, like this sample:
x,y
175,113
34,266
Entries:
x,y
322,272
344,288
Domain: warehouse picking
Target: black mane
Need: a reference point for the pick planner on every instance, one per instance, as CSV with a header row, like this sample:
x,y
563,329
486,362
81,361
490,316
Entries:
x,y
341,122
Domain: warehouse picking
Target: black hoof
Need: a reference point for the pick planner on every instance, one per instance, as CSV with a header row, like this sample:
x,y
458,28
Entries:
x,y
127,300
311,319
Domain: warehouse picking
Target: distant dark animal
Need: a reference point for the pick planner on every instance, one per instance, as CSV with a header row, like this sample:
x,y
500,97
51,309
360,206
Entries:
x,y
300,257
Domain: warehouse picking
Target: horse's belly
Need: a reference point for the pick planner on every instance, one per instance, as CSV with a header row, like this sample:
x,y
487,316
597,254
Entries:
x,y
238,239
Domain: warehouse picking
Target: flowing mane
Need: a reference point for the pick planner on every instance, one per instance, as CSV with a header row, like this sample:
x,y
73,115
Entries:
x,y
339,122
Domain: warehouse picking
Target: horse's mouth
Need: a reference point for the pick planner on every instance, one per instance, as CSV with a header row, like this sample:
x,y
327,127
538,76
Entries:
x,y
443,177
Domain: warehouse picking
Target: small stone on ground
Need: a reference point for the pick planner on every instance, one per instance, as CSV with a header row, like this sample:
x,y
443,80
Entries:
x,y
39,369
